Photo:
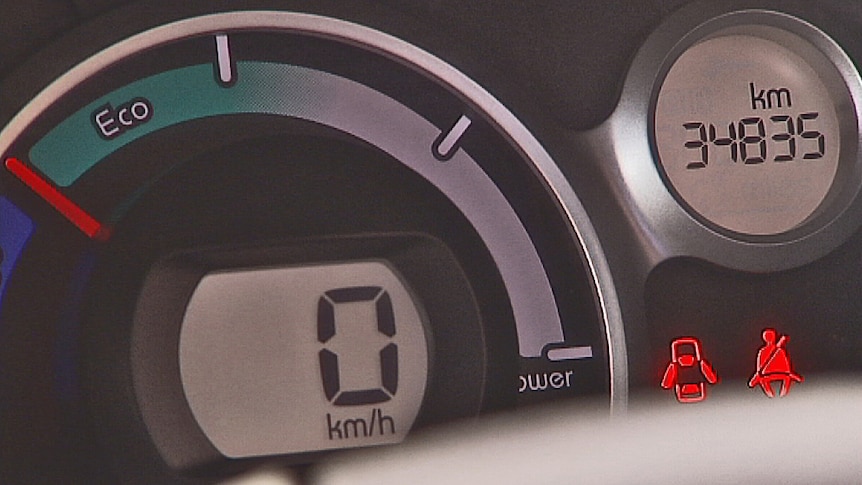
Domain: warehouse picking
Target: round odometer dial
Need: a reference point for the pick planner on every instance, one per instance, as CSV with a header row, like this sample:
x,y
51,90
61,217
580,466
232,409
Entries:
x,y
749,124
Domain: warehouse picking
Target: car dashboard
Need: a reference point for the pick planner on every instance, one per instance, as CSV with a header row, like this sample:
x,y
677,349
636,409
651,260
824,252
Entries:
x,y
381,240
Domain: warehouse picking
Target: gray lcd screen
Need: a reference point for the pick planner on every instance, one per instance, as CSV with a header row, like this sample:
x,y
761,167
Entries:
x,y
747,132
306,358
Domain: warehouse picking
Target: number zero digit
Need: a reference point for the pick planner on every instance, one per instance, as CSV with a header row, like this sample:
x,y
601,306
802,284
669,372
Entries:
x,y
329,366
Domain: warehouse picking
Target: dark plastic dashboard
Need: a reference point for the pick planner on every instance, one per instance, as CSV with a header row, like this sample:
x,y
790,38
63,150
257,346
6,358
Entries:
x,y
254,233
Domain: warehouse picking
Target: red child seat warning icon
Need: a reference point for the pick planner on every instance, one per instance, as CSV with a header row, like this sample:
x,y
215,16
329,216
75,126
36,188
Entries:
x,y
688,371
773,364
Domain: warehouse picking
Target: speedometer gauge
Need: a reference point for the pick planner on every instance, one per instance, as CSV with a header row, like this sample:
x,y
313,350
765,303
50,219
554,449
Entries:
x,y
252,234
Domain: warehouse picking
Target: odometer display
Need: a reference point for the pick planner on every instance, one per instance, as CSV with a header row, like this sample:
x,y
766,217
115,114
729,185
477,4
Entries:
x,y
747,129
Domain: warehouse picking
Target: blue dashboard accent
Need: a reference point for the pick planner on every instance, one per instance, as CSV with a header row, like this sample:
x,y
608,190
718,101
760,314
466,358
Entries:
x,y
15,231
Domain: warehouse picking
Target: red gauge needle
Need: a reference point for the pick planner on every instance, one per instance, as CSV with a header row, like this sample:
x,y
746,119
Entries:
x,y
71,211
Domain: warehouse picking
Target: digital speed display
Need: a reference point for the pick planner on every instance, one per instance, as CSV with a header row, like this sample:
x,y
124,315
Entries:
x,y
305,358
748,129
232,236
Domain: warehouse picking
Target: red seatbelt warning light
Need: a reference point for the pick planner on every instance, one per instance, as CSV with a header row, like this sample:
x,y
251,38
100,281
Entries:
x,y
773,364
688,372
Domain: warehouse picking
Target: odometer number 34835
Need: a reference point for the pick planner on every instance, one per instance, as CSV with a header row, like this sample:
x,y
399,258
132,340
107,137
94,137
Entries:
x,y
756,140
